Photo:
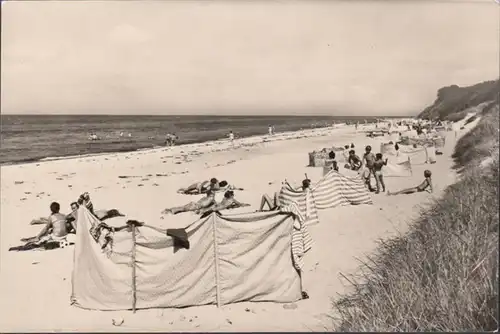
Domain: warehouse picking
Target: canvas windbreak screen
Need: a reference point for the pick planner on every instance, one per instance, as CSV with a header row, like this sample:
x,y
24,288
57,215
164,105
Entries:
x,y
244,257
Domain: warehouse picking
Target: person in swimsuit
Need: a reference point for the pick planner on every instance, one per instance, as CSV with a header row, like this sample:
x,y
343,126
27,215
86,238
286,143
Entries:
x,y
224,186
228,202
272,203
55,227
377,169
426,184
197,207
354,161
332,161
369,158
199,187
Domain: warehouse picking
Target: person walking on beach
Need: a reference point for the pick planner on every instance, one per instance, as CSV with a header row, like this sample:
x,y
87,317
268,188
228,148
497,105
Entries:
x,y
377,168
426,184
369,159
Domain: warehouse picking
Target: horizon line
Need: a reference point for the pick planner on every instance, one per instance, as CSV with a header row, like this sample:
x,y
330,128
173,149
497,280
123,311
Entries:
x,y
205,115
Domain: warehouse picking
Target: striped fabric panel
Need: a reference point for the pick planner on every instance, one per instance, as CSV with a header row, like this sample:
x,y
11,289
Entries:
x,y
335,189
301,238
289,196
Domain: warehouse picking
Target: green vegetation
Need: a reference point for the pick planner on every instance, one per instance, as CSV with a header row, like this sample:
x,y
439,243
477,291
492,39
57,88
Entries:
x,y
443,274
457,100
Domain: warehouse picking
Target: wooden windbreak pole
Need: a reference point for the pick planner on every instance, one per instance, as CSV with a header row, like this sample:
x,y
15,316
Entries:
x,y
134,289
216,258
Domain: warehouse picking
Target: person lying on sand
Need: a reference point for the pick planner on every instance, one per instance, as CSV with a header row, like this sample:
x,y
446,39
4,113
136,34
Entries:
x,y
228,202
272,203
199,187
426,185
213,185
55,229
102,215
203,203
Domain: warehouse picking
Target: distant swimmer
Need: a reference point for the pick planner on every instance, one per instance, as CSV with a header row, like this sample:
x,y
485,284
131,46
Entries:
x,y
93,136
121,134
129,135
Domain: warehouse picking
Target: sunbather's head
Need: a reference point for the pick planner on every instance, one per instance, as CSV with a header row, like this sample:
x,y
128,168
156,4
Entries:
x,y
55,207
368,149
427,173
74,206
352,145
331,155
229,194
378,156
222,183
213,181
352,152
306,183
346,147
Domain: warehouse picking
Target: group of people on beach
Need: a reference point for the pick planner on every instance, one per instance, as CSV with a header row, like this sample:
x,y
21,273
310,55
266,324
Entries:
x,y
371,165
58,226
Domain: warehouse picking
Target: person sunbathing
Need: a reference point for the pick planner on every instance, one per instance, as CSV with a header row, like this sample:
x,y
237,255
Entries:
x,y
203,203
224,186
228,202
426,185
55,229
272,203
199,187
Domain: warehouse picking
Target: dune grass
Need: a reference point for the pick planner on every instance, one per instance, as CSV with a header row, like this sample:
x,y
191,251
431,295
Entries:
x,y
443,274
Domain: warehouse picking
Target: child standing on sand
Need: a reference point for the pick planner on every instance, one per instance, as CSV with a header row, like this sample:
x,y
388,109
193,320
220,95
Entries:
x,y
377,168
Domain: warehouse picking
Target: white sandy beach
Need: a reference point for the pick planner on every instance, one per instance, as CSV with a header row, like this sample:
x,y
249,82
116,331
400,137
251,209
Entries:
x,y
35,286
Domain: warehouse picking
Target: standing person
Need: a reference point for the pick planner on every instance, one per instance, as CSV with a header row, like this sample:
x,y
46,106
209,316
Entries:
x,y
173,139
231,137
377,167
369,159
270,130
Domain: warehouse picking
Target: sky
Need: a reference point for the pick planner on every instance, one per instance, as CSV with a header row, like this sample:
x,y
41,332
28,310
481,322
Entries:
x,y
242,57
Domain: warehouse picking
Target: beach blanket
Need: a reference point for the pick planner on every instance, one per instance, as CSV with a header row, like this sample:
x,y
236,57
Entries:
x,y
47,242
231,258
336,189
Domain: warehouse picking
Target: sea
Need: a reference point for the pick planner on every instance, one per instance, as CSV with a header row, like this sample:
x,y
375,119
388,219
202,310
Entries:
x,y
31,138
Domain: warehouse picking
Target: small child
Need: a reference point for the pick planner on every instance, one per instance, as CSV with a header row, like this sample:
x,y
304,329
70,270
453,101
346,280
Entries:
x,y
427,183
332,161
377,168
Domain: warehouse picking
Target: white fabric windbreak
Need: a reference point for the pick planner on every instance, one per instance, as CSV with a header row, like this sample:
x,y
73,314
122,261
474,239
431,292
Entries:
x,y
243,257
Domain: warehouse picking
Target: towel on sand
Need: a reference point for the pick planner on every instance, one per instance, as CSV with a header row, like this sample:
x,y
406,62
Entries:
x,y
47,242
